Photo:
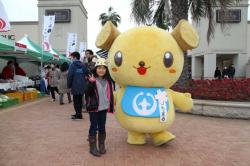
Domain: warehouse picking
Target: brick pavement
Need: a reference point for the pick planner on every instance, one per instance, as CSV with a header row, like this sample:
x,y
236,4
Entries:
x,y
42,134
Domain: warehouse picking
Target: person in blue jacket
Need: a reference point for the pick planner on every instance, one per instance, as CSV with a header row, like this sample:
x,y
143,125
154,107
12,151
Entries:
x,y
76,82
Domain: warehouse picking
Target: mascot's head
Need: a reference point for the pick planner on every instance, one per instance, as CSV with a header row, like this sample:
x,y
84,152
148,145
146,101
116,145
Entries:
x,y
147,56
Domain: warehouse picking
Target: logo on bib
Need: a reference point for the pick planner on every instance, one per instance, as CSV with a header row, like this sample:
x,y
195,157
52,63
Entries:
x,y
145,102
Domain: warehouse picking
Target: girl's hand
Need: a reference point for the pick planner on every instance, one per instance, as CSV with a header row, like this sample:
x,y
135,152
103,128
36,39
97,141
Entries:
x,y
92,78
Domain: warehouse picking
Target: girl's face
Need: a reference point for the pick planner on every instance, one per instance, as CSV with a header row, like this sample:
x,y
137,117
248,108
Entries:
x,y
101,71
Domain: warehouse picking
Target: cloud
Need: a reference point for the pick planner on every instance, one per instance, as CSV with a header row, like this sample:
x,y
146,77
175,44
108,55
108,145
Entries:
x,y
21,10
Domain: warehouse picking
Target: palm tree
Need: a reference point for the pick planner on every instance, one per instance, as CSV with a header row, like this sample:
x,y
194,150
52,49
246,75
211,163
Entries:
x,y
110,16
167,13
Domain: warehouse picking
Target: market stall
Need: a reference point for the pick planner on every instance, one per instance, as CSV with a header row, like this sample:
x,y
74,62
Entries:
x,y
17,89
34,50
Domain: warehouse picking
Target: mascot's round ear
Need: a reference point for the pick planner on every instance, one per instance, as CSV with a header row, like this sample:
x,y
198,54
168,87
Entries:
x,y
185,35
107,36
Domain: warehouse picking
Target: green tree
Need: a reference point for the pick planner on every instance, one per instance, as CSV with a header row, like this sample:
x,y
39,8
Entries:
x,y
167,13
110,16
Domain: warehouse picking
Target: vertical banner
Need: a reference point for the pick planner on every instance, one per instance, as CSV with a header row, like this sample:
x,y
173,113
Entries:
x,y
4,21
82,48
48,25
71,43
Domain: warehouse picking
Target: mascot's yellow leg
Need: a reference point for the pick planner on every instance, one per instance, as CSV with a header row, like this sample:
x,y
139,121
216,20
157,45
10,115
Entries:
x,y
162,137
136,138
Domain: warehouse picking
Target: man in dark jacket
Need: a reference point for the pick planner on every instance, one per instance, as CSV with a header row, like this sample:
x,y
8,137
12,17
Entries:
x,y
89,54
231,71
76,82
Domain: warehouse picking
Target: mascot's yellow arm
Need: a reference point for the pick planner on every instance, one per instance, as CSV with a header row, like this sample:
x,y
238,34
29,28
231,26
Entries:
x,y
182,101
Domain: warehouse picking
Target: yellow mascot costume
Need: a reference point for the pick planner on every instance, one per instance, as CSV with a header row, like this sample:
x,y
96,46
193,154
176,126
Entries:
x,y
146,62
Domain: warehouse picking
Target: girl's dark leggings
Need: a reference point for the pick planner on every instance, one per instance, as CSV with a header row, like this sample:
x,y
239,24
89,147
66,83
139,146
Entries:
x,y
97,122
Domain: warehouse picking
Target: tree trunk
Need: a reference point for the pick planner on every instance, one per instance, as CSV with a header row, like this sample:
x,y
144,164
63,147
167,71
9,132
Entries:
x,y
179,10
183,80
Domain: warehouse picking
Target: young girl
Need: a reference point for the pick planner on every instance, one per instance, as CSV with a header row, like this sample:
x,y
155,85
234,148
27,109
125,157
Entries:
x,y
99,101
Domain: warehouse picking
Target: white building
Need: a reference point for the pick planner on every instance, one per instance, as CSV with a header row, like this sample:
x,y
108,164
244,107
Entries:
x,y
229,46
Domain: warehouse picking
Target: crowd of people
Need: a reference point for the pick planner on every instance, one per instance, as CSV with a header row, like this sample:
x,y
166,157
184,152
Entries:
x,y
227,72
89,83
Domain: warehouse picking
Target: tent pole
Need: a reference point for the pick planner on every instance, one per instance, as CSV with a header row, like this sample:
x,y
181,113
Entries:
x,y
42,57
41,62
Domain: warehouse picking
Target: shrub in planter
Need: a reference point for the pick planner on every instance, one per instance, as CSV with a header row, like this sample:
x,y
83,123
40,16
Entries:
x,y
225,89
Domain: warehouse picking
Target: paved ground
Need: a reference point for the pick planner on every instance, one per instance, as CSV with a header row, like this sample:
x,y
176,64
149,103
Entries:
x,y
42,134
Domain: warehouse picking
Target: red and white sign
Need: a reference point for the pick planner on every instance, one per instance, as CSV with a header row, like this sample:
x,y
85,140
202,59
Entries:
x,y
20,47
4,21
55,56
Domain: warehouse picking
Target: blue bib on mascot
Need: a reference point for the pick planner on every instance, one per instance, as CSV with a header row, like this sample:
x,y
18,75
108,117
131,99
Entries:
x,y
143,102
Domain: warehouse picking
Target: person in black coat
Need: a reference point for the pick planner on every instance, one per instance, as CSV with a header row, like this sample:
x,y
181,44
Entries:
x,y
231,71
217,73
76,82
99,100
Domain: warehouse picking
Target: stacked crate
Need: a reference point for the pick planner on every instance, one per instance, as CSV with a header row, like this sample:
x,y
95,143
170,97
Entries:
x,y
6,101
12,98
17,94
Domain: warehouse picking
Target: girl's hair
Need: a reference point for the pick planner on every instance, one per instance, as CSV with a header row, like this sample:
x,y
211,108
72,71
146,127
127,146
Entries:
x,y
64,67
106,76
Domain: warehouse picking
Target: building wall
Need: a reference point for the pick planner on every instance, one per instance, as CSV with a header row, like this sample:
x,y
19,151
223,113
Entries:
x,y
233,39
78,22
20,28
248,40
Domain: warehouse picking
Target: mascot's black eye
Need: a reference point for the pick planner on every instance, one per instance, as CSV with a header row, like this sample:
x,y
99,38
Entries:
x,y
168,59
118,58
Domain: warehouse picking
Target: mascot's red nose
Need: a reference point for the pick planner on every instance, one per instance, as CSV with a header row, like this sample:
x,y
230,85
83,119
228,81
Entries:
x,y
141,70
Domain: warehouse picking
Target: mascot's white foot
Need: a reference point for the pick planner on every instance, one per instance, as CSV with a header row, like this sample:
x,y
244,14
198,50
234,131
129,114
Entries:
x,y
136,138
162,137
